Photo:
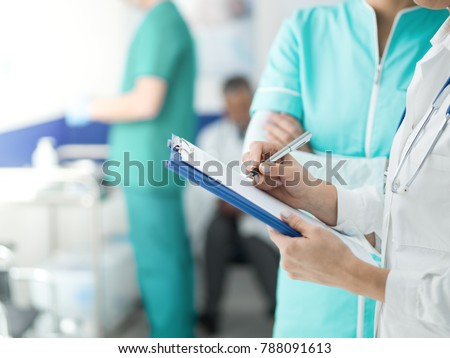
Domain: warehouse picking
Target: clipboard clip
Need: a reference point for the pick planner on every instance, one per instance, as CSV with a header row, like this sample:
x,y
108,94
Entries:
x,y
179,145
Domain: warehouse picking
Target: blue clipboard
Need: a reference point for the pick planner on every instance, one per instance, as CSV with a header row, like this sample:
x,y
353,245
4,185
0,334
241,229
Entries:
x,y
185,170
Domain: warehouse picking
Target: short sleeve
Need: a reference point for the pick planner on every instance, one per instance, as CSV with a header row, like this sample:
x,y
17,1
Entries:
x,y
279,88
157,50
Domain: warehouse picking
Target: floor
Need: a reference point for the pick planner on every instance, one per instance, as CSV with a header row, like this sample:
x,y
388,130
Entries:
x,y
244,310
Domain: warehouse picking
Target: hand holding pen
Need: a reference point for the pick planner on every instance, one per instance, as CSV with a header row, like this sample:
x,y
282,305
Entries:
x,y
290,147
281,174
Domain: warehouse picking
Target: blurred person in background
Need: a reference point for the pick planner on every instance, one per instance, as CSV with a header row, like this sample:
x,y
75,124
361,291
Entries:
x,y
340,72
157,100
231,236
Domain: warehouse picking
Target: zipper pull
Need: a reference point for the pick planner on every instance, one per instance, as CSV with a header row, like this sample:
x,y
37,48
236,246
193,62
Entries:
x,y
378,74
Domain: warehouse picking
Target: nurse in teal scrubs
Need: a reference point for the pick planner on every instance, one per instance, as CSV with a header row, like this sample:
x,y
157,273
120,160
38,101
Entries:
x,y
157,101
341,72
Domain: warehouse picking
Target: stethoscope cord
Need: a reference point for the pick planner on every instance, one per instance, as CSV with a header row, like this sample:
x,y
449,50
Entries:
x,y
437,103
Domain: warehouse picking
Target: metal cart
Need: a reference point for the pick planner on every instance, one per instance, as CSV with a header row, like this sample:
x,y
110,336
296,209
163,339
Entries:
x,y
53,189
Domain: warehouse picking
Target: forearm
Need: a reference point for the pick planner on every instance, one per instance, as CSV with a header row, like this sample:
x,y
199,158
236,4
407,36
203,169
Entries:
x,y
321,257
365,280
143,102
255,131
366,172
320,199
126,108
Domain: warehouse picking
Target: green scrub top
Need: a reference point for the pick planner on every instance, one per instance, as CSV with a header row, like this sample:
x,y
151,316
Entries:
x,y
325,69
162,48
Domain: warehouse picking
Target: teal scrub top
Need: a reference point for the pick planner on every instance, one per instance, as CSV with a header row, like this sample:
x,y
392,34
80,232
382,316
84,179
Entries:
x,y
325,69
162,48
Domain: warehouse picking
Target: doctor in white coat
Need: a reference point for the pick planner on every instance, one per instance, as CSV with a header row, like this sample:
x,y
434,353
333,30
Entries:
x,y
413,219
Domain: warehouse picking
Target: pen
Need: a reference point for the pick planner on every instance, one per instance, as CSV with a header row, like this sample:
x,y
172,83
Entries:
x,y
294,145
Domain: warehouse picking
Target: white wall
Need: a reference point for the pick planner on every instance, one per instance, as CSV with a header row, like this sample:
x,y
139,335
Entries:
x,y
268,16
52,50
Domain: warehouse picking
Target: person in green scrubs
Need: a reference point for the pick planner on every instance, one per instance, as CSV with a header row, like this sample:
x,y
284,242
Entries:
x,y
340,72
157,100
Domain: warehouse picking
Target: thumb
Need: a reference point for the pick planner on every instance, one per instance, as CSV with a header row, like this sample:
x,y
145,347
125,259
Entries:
x,y
297,224
280,240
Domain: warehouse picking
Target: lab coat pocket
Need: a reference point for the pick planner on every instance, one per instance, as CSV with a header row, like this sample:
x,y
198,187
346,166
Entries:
x,y
439,168
439,163
425,208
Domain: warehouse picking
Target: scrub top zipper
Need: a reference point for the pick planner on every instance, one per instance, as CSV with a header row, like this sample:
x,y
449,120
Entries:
x,y
360,323
378,73
373,105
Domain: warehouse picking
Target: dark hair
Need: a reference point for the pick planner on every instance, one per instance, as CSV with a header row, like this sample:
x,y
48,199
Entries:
x,y
236,83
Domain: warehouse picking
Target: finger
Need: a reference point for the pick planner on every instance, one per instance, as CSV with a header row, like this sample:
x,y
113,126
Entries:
x,y
256,153
293,120
274,117
252,158
245,157
274,139
266,184
281,134
289,124
248,164
288,171
280,240
298,224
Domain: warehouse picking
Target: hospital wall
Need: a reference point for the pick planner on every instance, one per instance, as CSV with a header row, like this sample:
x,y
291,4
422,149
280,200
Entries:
x,y
77,47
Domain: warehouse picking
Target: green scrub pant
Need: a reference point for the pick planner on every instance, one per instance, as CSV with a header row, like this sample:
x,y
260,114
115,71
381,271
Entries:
x,y
164,262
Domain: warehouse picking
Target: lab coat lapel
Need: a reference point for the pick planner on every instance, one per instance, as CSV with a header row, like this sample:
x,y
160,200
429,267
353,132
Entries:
x,y
418,104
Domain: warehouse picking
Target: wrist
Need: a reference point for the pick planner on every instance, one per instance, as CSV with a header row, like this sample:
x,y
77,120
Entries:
x,y
309,189
320,199
96,110
364,279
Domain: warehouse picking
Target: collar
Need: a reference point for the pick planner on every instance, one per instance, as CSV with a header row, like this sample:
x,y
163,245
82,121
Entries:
x,y
158,3
400,13
443,35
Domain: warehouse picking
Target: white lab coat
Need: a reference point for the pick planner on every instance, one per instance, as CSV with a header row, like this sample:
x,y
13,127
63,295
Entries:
x,y
415,226
223,141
